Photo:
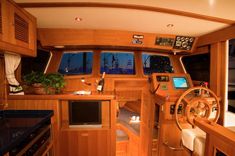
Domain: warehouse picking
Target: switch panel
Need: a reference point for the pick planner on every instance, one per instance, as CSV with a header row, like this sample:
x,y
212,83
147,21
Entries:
x,y
172,109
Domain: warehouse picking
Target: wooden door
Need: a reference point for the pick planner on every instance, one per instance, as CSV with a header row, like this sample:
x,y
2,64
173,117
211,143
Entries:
x,y
85,142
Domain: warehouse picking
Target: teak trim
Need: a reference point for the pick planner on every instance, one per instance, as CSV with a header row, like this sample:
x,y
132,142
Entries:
x,y
126,6
217,36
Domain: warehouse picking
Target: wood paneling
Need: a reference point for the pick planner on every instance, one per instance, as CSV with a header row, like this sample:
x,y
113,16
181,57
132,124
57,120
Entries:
x,y
85,143
134,141
122,148
202,50
217,36
0,18
126,6
54,62
76,37
218,72
218,137
24,40
3,83
145,127
69,96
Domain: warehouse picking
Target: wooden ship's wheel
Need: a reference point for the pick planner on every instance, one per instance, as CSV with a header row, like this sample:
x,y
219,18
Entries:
x,y
196,102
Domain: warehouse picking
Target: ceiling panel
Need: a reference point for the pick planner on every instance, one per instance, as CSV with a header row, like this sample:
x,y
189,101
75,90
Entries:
x,y
137,20
122,19
217,8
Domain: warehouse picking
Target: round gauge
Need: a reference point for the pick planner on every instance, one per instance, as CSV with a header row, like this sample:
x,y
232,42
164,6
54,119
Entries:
x,y
186,39
184,44
177,38
191,39
182,38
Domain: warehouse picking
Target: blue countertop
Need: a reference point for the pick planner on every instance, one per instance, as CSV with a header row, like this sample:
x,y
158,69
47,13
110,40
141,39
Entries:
x,y
17,125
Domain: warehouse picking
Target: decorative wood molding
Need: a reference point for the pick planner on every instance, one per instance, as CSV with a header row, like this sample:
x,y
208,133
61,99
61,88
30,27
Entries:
x,y
126,6
217,36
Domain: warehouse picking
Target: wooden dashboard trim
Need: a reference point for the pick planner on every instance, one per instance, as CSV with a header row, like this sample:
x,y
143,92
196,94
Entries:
x,y
94,96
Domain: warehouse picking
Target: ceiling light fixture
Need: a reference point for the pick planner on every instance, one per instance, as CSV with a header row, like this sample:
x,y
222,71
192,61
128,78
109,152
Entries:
x,y
78,19
170,25
211,2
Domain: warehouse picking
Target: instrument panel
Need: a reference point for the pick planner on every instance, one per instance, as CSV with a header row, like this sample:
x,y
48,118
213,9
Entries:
x,y
170,84
184,42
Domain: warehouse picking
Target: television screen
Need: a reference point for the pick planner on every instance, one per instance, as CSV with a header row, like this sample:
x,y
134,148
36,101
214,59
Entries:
x,y
180,82
84,112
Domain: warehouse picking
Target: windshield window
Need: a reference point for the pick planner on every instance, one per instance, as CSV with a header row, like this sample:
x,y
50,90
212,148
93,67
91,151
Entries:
x,y
153,63
117,63
73,63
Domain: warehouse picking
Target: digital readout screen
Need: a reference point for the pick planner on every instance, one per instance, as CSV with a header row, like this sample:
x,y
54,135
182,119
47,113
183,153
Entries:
x,y
180,82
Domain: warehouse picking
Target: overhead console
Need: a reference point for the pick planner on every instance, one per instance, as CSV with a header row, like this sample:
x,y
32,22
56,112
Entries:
x,y
170,84
105,39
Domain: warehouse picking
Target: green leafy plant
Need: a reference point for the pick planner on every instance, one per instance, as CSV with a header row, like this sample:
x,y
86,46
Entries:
x,y
51,82
34,77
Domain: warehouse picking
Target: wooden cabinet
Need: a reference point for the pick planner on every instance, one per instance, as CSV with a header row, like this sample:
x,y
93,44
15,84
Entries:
x,y
85,142
17,29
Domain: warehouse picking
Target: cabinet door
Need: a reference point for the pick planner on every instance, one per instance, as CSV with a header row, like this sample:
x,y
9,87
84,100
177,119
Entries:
x,y
24,30
21,28
85,142
17,29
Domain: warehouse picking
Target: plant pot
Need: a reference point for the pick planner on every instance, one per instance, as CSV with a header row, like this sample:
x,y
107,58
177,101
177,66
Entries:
x,y
41,90
28,89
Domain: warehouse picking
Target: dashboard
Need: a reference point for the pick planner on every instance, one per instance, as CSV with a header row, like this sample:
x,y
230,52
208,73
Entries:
x,y
170,84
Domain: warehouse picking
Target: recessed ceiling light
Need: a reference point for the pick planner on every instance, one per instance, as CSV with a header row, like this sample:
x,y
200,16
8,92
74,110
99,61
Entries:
x,y
78,19
170,25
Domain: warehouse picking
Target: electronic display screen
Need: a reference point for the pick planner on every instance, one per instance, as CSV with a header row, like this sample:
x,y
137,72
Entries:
x,y
84,112
180,82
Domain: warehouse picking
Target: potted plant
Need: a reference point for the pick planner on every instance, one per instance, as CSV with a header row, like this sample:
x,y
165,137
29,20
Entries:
x,y
40,83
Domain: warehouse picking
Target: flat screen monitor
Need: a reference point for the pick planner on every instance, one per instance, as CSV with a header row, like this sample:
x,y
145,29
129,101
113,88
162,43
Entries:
x,y
180,82
85,113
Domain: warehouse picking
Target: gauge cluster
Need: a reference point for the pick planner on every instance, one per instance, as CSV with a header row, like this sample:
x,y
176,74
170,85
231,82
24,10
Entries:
x,y
184,42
